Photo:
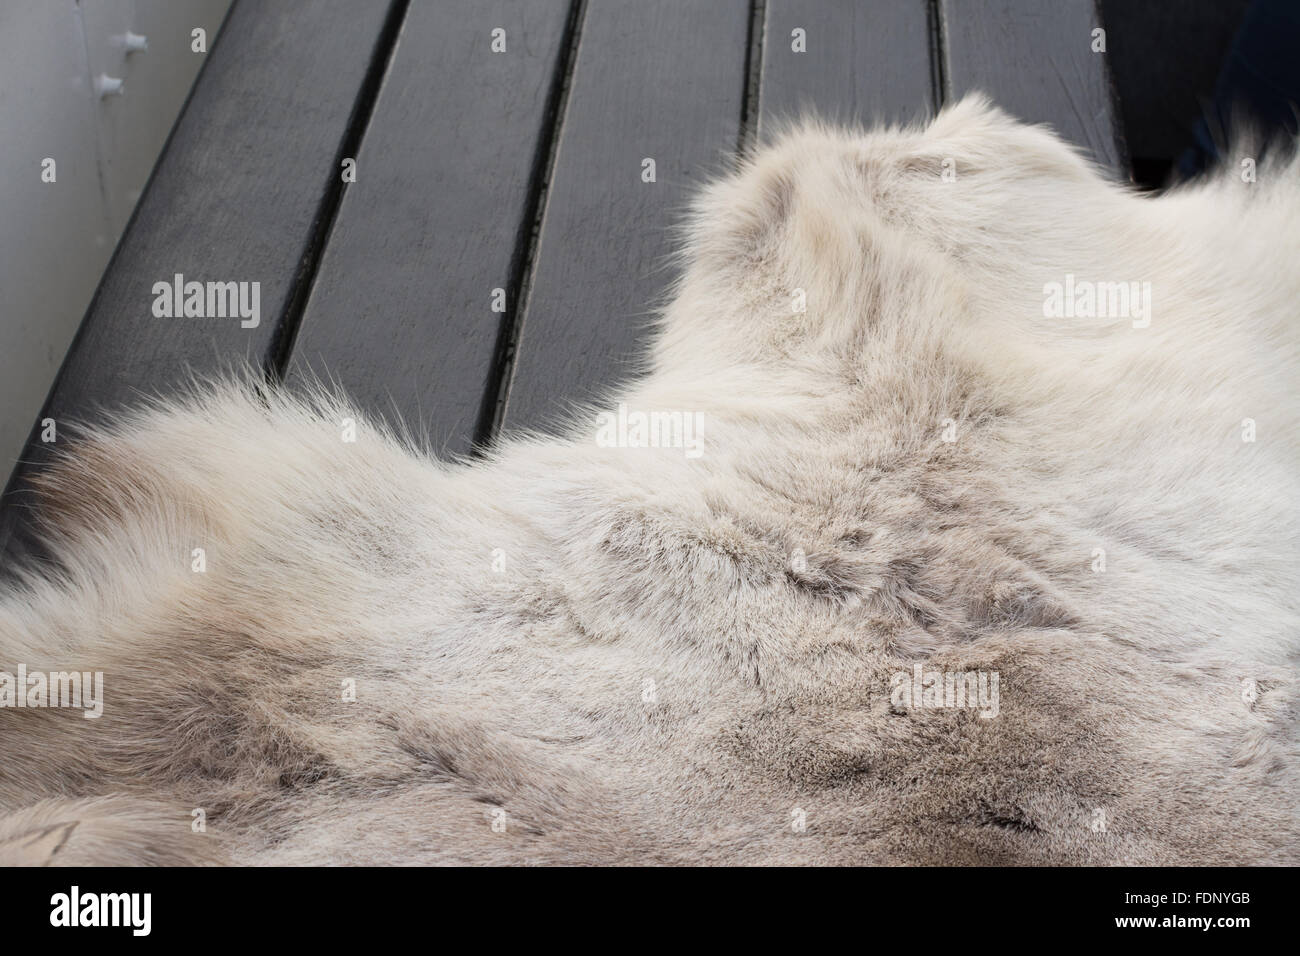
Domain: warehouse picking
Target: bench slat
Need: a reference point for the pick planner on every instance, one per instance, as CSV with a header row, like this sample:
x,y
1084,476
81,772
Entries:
x,y
662,80
401,310
867,62
1036,61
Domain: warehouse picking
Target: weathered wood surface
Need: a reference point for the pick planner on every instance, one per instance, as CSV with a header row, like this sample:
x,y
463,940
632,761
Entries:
x,y
1036,60
861,62
653,81
401,313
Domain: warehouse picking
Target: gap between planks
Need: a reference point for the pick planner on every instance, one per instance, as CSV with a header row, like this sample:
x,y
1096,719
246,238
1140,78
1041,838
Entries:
x,y
287,328
519,287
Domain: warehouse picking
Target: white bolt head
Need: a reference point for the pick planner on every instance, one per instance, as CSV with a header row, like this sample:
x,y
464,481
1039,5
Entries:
x,y
106,85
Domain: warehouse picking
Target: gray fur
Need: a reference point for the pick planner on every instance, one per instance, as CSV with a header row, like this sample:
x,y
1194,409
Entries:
x,y
632,655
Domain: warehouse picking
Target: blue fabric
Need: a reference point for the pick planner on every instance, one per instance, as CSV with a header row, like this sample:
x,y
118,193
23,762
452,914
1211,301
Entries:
x,y
1259,82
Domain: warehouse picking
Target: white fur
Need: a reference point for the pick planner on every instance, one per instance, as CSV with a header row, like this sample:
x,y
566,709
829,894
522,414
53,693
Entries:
x,y
684,657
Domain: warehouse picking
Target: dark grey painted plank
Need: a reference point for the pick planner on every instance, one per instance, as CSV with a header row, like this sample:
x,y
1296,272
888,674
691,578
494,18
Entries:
x,y
236,196
401,311
1036,61
865,61
662,80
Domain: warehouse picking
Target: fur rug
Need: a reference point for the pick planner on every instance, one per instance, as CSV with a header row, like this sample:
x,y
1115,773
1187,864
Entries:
x,y
903,439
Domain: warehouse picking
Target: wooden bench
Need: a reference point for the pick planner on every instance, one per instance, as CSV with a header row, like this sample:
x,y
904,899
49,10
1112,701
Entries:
x,y
498,254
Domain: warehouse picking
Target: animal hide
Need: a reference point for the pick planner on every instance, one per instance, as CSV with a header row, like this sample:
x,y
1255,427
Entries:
x,y
952,521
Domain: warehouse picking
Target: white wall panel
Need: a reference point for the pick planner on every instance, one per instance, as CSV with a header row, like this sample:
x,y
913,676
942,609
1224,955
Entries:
x,y
56,238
